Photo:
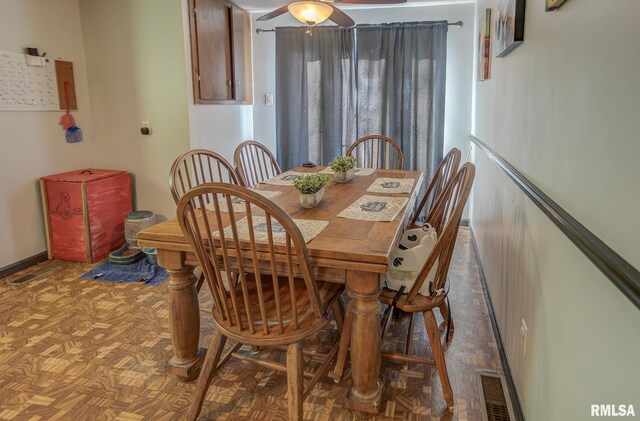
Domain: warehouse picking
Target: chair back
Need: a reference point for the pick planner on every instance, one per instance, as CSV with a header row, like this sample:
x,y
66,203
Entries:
x,y
239,231
376,151
254,163
442,177
197,167
445,218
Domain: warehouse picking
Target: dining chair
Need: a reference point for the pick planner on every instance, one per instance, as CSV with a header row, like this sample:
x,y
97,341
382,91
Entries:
x,y
376,151
445,218
272,301
193,168
196,167
254,163
442,177
444,174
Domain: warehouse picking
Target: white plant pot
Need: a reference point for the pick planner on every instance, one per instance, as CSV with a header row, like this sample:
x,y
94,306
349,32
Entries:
x,y
311,200
343,177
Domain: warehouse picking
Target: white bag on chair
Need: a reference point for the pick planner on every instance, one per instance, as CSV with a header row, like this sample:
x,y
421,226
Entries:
x,y
405,265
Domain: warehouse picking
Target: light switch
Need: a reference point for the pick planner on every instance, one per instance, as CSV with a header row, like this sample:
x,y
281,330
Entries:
x,y
268,99
35,60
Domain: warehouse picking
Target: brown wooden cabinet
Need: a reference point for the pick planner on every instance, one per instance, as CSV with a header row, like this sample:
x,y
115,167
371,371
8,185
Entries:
x,y
220,52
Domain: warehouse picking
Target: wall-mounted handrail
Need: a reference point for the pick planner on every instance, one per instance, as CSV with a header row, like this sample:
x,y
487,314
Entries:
x,y
620,272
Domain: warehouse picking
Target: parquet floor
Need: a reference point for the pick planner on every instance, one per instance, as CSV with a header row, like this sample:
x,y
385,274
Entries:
x,y
73,349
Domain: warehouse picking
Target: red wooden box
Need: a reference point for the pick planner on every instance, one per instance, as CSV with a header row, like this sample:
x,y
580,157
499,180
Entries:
x,y
84,213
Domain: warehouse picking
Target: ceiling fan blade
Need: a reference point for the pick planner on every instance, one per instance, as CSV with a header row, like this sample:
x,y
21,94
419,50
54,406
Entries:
x,y
280,11
372,1
340,17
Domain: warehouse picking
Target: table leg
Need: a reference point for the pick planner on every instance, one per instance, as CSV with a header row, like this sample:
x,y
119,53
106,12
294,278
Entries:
x,y
366,390
184,317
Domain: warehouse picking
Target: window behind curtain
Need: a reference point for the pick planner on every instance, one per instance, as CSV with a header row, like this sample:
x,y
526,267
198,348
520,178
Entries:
x,y
401,70
315,91
400,90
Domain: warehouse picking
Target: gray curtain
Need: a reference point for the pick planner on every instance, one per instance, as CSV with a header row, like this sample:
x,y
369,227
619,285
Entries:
x,y
401,77
315,91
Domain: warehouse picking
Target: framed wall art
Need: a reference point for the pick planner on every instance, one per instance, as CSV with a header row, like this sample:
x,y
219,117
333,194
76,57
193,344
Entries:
x,y
550,5
509,26
484,45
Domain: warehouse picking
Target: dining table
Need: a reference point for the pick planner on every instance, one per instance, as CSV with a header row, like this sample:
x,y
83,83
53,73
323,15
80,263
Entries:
x,y
354,252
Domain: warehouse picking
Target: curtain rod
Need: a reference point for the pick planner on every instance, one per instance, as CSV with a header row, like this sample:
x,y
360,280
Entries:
x,y
458,24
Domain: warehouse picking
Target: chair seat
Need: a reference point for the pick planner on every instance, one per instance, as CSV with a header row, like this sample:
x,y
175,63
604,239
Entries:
x,y
420,303
308,323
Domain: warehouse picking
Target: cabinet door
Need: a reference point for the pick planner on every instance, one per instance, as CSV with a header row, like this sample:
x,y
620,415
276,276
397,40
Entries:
x,y
211,50
241,25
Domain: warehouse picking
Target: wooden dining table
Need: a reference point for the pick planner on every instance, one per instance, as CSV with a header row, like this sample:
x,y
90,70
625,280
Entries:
x,y
350,251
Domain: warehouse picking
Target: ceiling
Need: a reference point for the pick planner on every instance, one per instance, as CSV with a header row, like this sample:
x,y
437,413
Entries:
x,y
268,5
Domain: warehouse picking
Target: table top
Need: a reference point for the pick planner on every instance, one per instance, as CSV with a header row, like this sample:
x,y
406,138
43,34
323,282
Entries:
x,y
344,243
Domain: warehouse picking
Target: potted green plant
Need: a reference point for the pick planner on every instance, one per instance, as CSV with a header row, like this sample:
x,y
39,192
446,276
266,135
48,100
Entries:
x,y
343,167
311,188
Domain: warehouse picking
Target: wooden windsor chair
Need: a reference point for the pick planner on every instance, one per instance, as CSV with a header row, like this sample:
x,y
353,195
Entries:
x,y
445,218
441,179
194,168
444,175
376,151
447,168
254,163
273,299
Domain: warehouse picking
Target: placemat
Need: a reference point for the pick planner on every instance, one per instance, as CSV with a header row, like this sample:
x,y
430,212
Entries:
x,y
357,171
285,179
308,227
391,185
237,203
374,208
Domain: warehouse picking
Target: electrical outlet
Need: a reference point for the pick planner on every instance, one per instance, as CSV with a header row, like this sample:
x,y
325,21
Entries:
x,y
523,337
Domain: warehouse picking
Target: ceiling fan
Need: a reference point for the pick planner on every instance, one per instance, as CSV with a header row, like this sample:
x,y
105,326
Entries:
x,y
313,12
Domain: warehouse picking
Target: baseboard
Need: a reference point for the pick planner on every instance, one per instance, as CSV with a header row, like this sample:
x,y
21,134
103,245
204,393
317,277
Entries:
x,y
515,399
23,264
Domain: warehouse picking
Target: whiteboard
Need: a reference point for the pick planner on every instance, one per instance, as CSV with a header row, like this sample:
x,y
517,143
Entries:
x,y
28,88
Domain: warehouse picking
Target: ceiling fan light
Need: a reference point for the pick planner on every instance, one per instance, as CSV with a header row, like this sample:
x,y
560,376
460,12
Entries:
x,y
310,12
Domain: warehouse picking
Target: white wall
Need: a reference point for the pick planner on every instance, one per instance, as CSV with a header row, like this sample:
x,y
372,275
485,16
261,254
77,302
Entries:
x,y
459,65
218,127
563,109
33,144
135,60
138,61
